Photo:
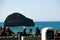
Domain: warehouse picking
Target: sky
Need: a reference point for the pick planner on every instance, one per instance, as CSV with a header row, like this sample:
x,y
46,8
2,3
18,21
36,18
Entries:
x,y
38,10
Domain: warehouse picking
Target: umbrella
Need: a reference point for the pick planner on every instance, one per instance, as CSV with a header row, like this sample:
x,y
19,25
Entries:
x,y
17,19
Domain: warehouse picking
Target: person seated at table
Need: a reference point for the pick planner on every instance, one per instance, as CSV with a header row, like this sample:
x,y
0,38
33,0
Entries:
x,y
3,31
6,32
30,31
37,31
0,30
24,32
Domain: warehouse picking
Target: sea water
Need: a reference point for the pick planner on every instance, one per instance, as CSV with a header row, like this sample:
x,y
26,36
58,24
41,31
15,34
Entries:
x,y
54,24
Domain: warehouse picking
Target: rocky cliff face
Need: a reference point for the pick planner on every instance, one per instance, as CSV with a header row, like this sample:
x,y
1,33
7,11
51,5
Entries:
x,y
17,19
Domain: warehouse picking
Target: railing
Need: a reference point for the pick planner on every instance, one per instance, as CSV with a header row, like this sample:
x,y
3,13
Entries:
x,y
33,37
8,38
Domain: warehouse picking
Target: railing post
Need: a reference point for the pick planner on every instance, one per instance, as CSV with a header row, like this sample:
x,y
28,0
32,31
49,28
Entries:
x,y
21,37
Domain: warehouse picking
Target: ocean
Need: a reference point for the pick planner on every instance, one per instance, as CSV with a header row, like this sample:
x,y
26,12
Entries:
x,y
54,24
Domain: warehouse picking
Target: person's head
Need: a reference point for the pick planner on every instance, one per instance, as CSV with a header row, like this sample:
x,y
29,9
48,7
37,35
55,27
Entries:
x,y
7,28
37,29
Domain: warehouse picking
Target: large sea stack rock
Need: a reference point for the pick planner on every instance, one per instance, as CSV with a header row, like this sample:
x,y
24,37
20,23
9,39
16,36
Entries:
x,y
17,19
